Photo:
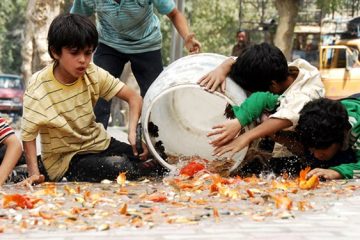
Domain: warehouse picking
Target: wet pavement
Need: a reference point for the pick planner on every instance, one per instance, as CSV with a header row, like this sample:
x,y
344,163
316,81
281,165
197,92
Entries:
x,y
159,210
197,209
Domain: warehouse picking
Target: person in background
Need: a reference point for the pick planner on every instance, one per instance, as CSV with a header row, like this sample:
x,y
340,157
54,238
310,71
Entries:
x,y
58,105
11,150
242,43
129,31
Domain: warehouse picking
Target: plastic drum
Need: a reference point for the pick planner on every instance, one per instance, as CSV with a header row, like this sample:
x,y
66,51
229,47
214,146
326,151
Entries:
x,y
183,113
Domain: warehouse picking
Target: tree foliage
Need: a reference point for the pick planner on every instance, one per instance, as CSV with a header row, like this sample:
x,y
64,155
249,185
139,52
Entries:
x,y
12,19
214,22
329,6
332,6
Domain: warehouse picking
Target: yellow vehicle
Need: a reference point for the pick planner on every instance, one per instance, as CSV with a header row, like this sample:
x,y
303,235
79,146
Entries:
x,y
340,68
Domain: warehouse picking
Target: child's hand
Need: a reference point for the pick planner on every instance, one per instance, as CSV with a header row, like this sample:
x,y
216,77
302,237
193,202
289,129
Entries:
x,y
132,141
328,174
32,180
145,153
213,79
225,132
233,147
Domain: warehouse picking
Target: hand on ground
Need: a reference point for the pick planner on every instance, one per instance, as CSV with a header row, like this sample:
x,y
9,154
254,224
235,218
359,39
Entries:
x,y
32,180
327,174
144,155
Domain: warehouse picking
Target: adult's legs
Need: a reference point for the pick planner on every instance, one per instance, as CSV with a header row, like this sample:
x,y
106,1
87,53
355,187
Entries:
x,y
112,61
146,67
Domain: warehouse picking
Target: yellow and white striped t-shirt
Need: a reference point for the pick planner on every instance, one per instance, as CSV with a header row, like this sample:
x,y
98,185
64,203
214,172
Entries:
x,y
64,116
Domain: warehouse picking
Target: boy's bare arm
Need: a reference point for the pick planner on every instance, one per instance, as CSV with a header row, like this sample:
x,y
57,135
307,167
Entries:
x,y
135,104
32,165
266,128
217,76
11,157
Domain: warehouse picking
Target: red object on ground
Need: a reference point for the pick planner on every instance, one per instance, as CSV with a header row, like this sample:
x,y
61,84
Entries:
x,y
22,201
192,168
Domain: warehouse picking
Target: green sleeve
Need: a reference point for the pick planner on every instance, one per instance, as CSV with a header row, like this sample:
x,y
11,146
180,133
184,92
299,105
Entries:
x,y
254,105
347,170
353,109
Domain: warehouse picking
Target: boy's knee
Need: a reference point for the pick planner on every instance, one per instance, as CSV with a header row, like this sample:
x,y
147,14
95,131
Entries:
x,y
119,164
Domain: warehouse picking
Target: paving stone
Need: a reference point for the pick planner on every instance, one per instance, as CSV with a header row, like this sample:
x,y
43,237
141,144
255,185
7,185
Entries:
x,y
340,220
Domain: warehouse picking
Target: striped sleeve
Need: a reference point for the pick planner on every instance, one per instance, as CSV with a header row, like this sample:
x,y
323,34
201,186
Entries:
x,y
164,6
34,116
5,130
109,86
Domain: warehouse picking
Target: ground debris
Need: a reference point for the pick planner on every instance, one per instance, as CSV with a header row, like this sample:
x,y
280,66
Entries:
x,y
181,199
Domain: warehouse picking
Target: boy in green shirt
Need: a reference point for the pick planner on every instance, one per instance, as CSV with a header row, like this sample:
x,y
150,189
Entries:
x,y
328,127
259,68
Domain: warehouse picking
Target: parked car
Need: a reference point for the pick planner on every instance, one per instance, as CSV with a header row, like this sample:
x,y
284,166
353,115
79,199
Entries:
x,y
11,95
340,68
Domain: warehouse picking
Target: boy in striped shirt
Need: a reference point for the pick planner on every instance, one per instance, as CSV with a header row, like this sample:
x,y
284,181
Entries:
x,y
58,105
12,150
328,132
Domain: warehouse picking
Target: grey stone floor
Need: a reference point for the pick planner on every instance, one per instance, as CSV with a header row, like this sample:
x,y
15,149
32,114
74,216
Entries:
x,y
340,221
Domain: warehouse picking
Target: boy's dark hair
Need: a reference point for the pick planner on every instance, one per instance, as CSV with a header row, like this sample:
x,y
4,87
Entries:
x,y
322,122
71,31
257,66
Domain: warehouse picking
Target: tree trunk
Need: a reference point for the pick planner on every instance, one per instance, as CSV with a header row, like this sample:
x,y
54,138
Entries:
x,y
39,15
288,11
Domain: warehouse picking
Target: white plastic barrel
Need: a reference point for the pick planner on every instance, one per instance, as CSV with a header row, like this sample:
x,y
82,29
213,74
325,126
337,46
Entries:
x,y
184,112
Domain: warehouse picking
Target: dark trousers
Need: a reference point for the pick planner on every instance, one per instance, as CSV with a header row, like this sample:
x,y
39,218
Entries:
x,y
294,164
145,66
94,167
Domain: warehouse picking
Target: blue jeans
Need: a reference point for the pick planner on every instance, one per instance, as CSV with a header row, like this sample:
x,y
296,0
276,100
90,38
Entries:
x,y
145,66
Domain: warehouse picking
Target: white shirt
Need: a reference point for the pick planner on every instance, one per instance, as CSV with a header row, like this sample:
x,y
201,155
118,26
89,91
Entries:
x,y
306,87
